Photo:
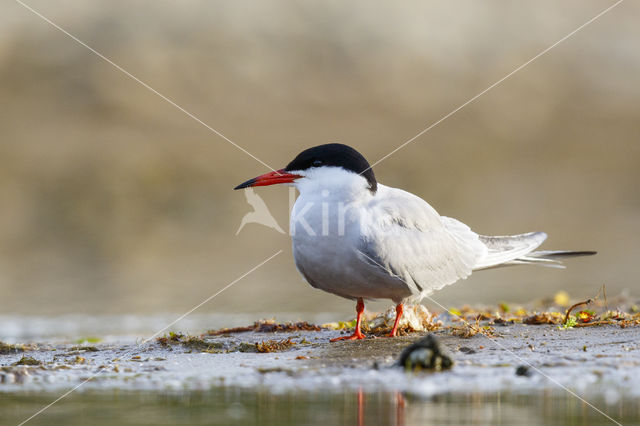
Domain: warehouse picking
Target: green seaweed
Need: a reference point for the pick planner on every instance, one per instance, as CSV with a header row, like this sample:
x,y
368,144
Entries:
x,y
27,360
569,323
85,340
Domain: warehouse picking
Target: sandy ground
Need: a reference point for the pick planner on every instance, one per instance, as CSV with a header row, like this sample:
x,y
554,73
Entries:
x,y
592,362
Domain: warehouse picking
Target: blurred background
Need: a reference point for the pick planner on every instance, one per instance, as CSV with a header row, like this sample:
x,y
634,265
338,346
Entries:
x,y
113,201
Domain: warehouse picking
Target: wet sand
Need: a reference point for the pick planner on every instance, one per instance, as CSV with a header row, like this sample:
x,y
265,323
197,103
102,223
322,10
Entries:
x,y
592,361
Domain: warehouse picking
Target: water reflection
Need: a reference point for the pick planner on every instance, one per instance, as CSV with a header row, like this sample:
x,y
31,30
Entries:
x,y
230,406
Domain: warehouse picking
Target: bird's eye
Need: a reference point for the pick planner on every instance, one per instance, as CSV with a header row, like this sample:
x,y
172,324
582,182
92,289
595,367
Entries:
x,y
317,163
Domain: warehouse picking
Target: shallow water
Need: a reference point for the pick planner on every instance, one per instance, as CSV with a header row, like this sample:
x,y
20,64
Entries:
x,y
228,406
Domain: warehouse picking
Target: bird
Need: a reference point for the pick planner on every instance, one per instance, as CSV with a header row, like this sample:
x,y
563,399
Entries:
x,y
260,213
359,239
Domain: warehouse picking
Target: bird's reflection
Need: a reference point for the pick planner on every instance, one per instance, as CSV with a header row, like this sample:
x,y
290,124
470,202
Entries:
x,y
399,403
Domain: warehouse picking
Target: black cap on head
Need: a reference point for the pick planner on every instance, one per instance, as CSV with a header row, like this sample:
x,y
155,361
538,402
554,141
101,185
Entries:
x,y
334,155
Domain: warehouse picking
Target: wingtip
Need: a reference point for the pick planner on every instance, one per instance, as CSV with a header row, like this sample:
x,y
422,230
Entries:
x,y
581,253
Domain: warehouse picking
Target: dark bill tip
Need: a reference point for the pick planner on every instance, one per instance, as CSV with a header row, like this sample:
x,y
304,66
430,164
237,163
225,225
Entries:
x,y
246,184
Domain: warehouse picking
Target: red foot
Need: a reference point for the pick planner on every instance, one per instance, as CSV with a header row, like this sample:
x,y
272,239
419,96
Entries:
x,y
357,335
388,336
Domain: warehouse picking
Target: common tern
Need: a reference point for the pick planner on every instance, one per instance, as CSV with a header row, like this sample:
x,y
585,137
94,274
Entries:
x,y
359,239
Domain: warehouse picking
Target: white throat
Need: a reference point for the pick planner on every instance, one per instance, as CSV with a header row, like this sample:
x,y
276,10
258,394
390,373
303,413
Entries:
x,y
333,183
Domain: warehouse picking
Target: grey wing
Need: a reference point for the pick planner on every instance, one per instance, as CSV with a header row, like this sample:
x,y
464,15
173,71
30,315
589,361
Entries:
x,y
407,238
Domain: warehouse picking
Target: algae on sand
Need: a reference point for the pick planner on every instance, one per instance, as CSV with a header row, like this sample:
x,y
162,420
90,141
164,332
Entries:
x,y
6,348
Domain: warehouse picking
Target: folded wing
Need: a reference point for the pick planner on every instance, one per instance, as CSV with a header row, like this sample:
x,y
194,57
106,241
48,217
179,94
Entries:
x,y
405,237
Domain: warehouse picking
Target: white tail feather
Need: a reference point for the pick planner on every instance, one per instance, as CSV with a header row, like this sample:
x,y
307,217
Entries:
x,y
518,250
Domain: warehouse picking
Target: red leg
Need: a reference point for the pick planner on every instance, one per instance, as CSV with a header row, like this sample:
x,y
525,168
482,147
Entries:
x,y
357,334
360,407
394,330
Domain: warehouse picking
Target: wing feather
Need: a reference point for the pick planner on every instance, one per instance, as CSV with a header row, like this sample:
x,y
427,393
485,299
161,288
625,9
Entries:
x,y
406,237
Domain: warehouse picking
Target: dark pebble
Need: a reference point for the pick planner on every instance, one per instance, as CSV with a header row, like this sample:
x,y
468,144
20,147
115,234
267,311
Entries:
x,y
426,354
524,370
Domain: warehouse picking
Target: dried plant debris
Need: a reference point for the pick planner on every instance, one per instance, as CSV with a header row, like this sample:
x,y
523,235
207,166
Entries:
x,y
543,318
548,311
425,354
84,349
415,318
266,346
467,313
191,342
269,326
6,348
590,318
585,303
267,370
464,322
274,346
468,321
202,345
247,347
467,329
78,360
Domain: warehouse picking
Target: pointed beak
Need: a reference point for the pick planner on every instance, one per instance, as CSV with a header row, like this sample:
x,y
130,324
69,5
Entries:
x,y
271,178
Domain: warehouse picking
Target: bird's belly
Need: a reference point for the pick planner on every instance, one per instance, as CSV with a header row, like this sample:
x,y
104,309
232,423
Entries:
x,y
333,265
326,249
